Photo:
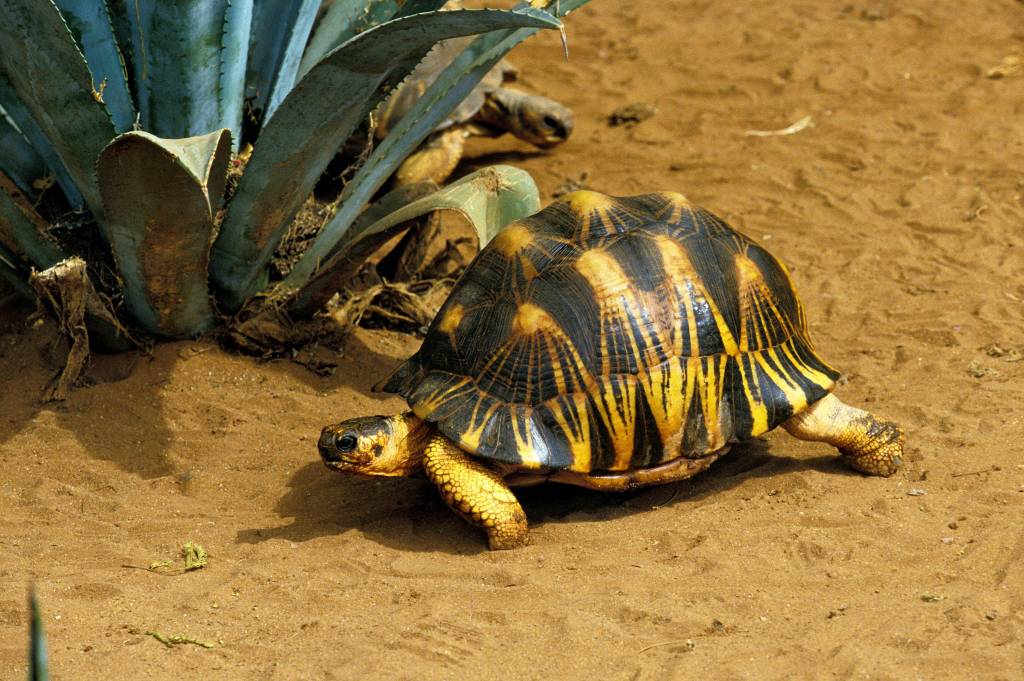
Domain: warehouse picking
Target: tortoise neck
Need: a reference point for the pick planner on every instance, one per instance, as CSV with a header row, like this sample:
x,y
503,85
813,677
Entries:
x,y
410,434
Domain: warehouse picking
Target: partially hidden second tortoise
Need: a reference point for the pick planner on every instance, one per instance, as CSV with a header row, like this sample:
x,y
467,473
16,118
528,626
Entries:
x,y
490,110
608,343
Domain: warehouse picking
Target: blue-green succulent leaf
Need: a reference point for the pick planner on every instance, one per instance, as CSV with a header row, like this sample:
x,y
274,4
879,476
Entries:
x,y
234,57
445,93
11,272
280,31
301,138
183,55
90,25
345,19
18,160
48,73
161,196
21,236
489,199
16,112
118,10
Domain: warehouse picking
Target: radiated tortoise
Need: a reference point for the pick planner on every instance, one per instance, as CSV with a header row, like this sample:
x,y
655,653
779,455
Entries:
x,y
608,343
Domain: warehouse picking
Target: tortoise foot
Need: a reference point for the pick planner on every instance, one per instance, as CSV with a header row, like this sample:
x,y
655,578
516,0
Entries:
x,y
877,447
512,534
865,443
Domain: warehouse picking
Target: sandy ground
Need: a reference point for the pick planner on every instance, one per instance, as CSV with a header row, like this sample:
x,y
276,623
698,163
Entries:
x,y
900,213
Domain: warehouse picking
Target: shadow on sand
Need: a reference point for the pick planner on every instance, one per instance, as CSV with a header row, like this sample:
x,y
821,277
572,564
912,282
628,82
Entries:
x,y
119,414
408,514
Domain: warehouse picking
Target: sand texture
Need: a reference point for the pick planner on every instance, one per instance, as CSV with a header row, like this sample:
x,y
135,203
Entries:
x,y
898,206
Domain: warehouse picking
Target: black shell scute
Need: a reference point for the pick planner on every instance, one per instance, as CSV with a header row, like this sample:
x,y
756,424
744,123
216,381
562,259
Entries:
x,y
604,333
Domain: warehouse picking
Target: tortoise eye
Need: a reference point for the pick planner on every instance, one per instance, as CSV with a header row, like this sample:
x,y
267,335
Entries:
x,y
555,126
347,443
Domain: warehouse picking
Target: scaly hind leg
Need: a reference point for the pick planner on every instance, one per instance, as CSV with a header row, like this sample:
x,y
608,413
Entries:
x,y
476,493
866,444
436,159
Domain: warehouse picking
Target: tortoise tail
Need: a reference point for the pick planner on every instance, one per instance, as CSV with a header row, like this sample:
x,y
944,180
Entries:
x,y
404,378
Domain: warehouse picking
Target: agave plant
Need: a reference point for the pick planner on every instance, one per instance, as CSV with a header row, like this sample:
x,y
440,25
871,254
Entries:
x,y
131,114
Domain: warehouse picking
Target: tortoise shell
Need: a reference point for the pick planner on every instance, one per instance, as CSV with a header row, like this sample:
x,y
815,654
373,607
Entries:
x,y
604,334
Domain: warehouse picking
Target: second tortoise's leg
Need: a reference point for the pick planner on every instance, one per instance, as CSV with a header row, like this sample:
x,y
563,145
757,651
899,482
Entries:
x,y
866,444
476,493
436,159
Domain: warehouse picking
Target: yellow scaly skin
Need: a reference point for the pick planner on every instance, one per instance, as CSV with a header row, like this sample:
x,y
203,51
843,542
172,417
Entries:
x,y
403,445
866,444
476,493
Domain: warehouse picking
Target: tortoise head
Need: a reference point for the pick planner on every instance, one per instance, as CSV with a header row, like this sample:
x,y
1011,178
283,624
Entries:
x,y
375,445
538,120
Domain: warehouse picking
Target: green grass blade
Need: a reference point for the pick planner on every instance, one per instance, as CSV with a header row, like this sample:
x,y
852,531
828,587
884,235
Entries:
x,y
161,197
183,55
489,198
48,73
279,34
90,24
37,659
308,128
345,19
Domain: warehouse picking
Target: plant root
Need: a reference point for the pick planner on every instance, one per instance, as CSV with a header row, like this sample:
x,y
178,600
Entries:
x,y
66,291
400,306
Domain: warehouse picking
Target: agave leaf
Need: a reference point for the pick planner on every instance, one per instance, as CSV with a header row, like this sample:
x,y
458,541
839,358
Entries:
x,y
90,25
161,196
118,11
17,114
280,30
448,90
187,57
394,200
19,235
18,160
345,19
234,58
11,272
40,59
301,138
490,198
37,660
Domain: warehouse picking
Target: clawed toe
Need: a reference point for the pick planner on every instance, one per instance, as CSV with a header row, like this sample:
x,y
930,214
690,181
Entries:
x,y
882,455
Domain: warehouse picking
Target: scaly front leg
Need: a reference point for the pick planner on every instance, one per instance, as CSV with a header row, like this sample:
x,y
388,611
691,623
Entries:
x,y
476,493
867,444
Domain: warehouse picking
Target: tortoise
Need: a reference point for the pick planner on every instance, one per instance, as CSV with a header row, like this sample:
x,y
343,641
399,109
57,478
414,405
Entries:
x,y
490,110
608,343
